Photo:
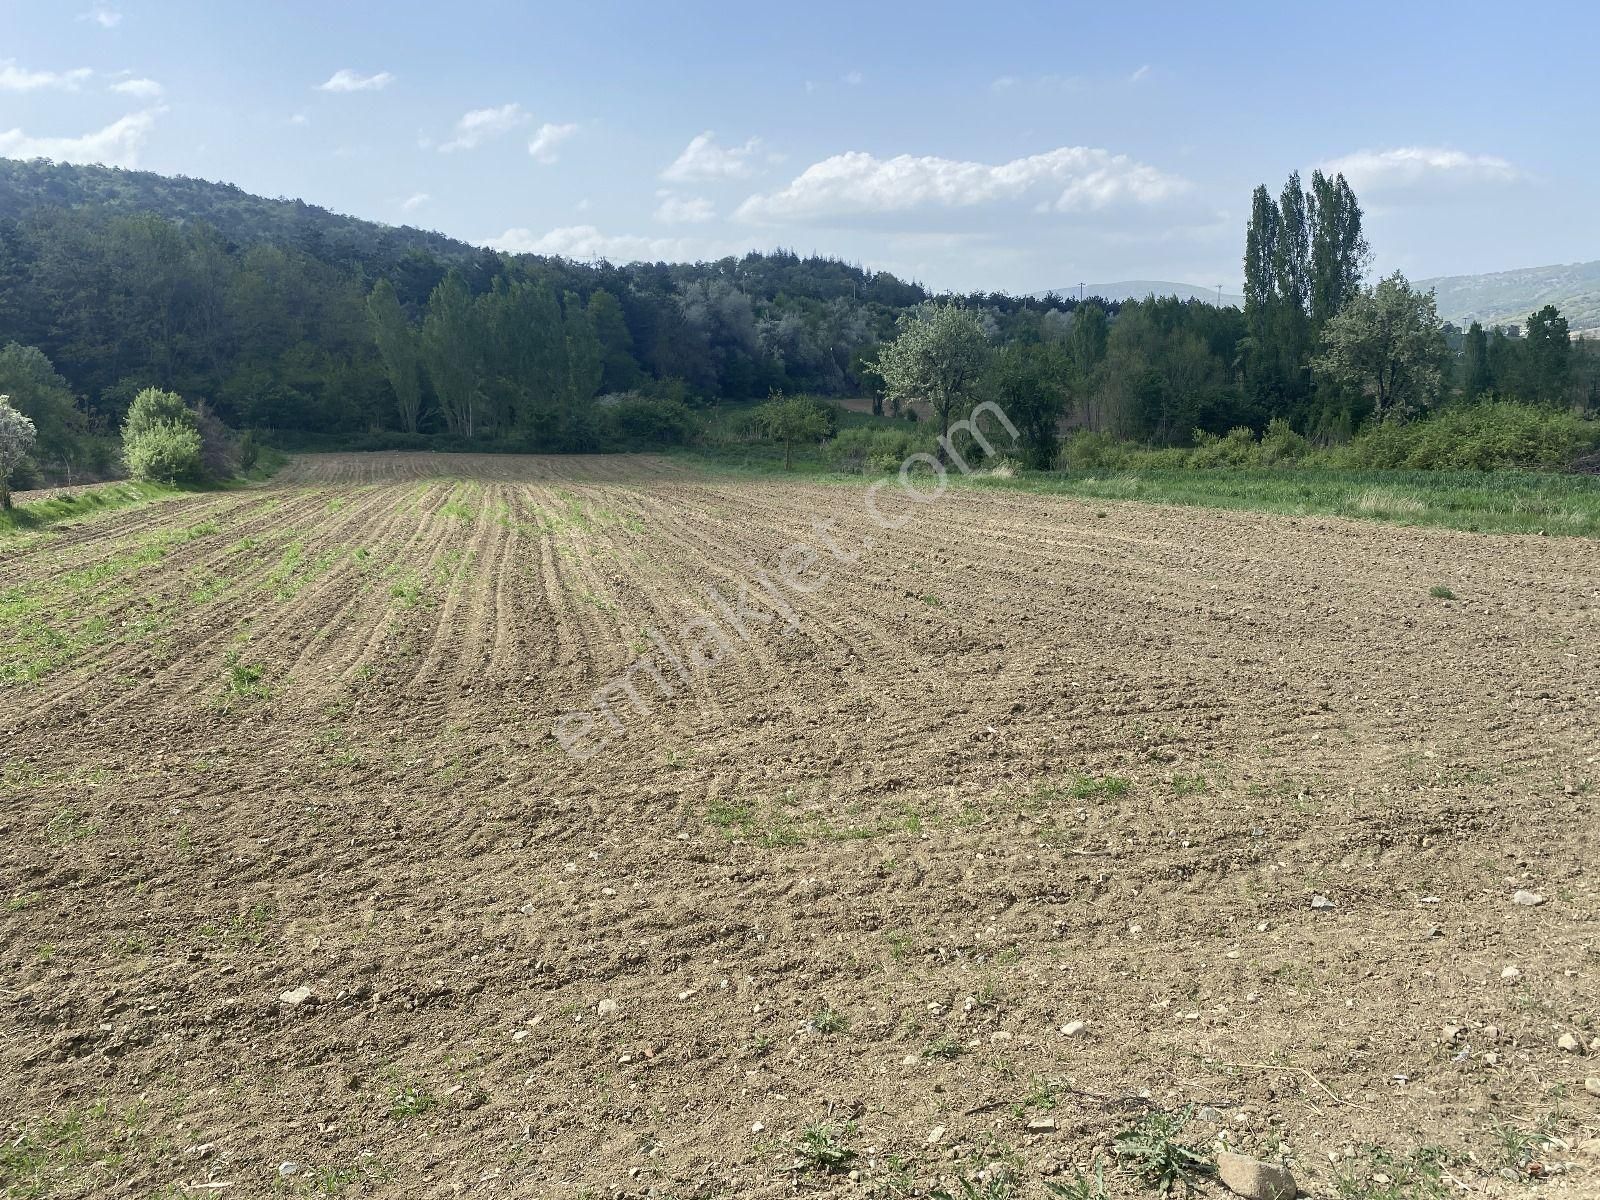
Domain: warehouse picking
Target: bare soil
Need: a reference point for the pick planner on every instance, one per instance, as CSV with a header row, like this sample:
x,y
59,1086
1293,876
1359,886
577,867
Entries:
x,y
302,896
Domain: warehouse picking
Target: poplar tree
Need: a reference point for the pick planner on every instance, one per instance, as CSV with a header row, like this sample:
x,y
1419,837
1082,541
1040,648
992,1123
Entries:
x,y
397,350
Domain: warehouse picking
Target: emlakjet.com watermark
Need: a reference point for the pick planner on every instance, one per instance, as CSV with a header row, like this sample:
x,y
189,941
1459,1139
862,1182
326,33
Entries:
x,y
765,602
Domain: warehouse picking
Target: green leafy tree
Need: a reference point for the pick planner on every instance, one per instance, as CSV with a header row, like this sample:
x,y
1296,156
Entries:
x,y
1388,342
166,452
792,419
451,352
938,357
17,437
1339,251
1476,377
154,407
1030,382
1086,340
621,371
161,438
1548,356
39,393
397,350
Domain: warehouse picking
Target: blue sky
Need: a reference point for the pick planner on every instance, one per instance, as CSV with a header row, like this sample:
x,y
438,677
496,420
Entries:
x,y
1005,146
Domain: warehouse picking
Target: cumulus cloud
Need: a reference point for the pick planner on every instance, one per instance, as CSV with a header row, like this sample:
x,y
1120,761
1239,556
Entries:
x,y
484,124
1069,179
586,242
346,80
413,202
703,159
676,210
18,79
547,138
106,18
1410,166
117,145
144,89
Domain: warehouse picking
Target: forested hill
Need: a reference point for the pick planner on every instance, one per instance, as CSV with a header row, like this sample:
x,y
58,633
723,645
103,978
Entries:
x,y
286,316
236,214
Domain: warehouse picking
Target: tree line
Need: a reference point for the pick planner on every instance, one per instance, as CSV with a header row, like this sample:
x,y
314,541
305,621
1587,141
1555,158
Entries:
x,y
288,319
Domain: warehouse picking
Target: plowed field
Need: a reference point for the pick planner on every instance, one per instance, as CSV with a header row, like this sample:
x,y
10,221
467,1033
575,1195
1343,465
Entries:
x,y
304,894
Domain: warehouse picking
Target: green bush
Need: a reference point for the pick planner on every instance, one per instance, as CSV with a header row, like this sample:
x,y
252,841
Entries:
x,y
876,448
1474,437
153,407
163,452
657,421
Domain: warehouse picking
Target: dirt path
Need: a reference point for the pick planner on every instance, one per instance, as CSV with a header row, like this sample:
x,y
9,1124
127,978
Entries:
x,y
1021,762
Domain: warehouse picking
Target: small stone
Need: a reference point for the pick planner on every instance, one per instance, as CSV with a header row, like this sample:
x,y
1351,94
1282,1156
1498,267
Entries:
x,y
1320,901
1527,899
295,997
1492,1032
287,1169
520,1035
1041,1124
1254,1179
1209,1115
1569,1043
758,1127
1592,1085
1491,1059
910,1060
1594,1046
1449,1033
935,1135
1511,973
607,1007
1073,1029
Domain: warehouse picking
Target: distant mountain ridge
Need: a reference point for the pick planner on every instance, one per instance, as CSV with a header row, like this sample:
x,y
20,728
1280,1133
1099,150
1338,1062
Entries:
x,y
1505,297
1138,289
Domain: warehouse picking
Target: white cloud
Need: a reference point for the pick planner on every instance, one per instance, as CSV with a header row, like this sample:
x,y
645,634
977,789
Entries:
x,y
300,118
585,242
484,124
703,159
18,79
1409,166
1067,179
346,80
675,209
145,89
547,138
1043,85
1139,74
411,203
116,145
853,78
106,18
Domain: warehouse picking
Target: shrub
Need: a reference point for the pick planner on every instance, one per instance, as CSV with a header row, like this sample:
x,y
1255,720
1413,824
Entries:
x,y
1476,437
661,421
164,452
153,407
875,448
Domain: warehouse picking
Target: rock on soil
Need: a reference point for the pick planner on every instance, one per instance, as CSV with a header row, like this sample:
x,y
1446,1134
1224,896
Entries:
x,y
1254,1179
1528,899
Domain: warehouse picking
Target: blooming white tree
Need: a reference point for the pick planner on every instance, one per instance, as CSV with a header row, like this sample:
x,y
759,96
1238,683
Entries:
x,y
16,439
938,357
